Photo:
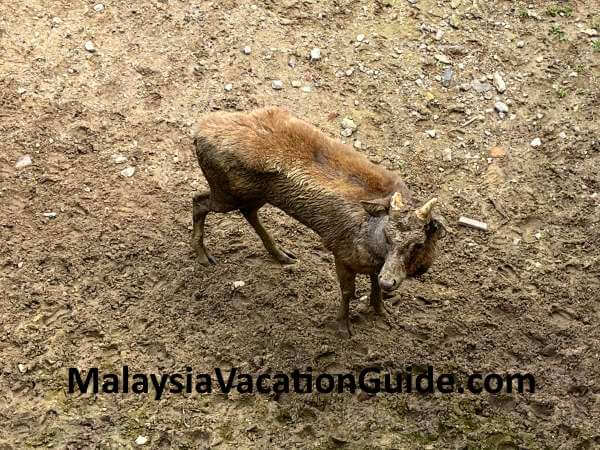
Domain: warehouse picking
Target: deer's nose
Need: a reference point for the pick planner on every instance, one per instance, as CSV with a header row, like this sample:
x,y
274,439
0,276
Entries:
x,y
387,285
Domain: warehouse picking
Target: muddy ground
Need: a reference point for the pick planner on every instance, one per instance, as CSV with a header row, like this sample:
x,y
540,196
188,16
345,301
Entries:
x,y
111,280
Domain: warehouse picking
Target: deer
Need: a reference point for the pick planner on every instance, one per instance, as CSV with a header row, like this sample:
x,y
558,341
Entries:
x,y
364,213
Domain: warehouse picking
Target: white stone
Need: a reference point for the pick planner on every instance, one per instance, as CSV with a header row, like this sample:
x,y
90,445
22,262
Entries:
x,y
499,82
347,122
442,58
247,50
141,440
23,161
228,87
536,142
89,46
360,37
501,107
128,171
238,284
118,159
315,54
99,7
277,84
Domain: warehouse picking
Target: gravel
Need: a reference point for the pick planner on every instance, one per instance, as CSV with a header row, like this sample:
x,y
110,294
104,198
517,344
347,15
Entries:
x,y
277,84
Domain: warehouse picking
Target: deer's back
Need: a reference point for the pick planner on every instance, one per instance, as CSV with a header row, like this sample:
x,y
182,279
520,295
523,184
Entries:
x,y
272,144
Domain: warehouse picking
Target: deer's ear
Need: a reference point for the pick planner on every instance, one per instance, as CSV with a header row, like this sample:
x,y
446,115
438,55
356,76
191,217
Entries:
x,y
376,207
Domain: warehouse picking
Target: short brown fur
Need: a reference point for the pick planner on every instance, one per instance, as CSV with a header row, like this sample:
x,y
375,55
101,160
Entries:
x,y
269,156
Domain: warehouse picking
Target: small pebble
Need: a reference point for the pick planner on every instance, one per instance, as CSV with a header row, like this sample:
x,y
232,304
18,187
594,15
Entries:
x,y
446,76
119,159
22,368
247,50
360,38
141,440
431,133
347,122
439,35
442,58
520,44
296,83
315,54
357,144
99,7
497,152
480,87
238,284
499,83
447,154
23,162
277,84
501,107
228,87
292,62
89,46
128,171
49,215
536,142
346,132
306,88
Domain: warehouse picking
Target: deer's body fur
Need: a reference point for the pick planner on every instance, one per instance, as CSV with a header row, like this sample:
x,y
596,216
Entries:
x,y
269,156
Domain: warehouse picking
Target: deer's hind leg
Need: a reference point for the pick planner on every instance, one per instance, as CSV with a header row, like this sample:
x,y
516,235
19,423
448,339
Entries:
x,y
251,215
203,203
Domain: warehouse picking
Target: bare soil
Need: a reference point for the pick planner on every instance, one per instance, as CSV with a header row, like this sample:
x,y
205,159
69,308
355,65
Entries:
x,y
112,279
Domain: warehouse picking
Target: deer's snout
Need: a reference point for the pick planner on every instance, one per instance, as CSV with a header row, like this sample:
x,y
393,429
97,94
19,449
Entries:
x,y
388,284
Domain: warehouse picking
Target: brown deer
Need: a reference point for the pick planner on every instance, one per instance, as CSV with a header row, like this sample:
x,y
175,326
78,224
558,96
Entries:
x,y
364,214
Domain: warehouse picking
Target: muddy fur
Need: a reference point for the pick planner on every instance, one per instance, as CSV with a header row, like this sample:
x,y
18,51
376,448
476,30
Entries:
x,y
269,156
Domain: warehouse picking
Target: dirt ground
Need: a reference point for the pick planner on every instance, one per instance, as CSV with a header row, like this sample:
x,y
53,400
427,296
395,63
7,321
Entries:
x,y
111,280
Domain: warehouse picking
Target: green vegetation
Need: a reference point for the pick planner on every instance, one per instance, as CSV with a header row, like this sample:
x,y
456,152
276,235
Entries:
x,y
523,14
596,46
558,33
559,10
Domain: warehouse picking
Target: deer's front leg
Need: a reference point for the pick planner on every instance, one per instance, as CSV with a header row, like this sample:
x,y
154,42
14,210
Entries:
x,y
376,299
347,280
